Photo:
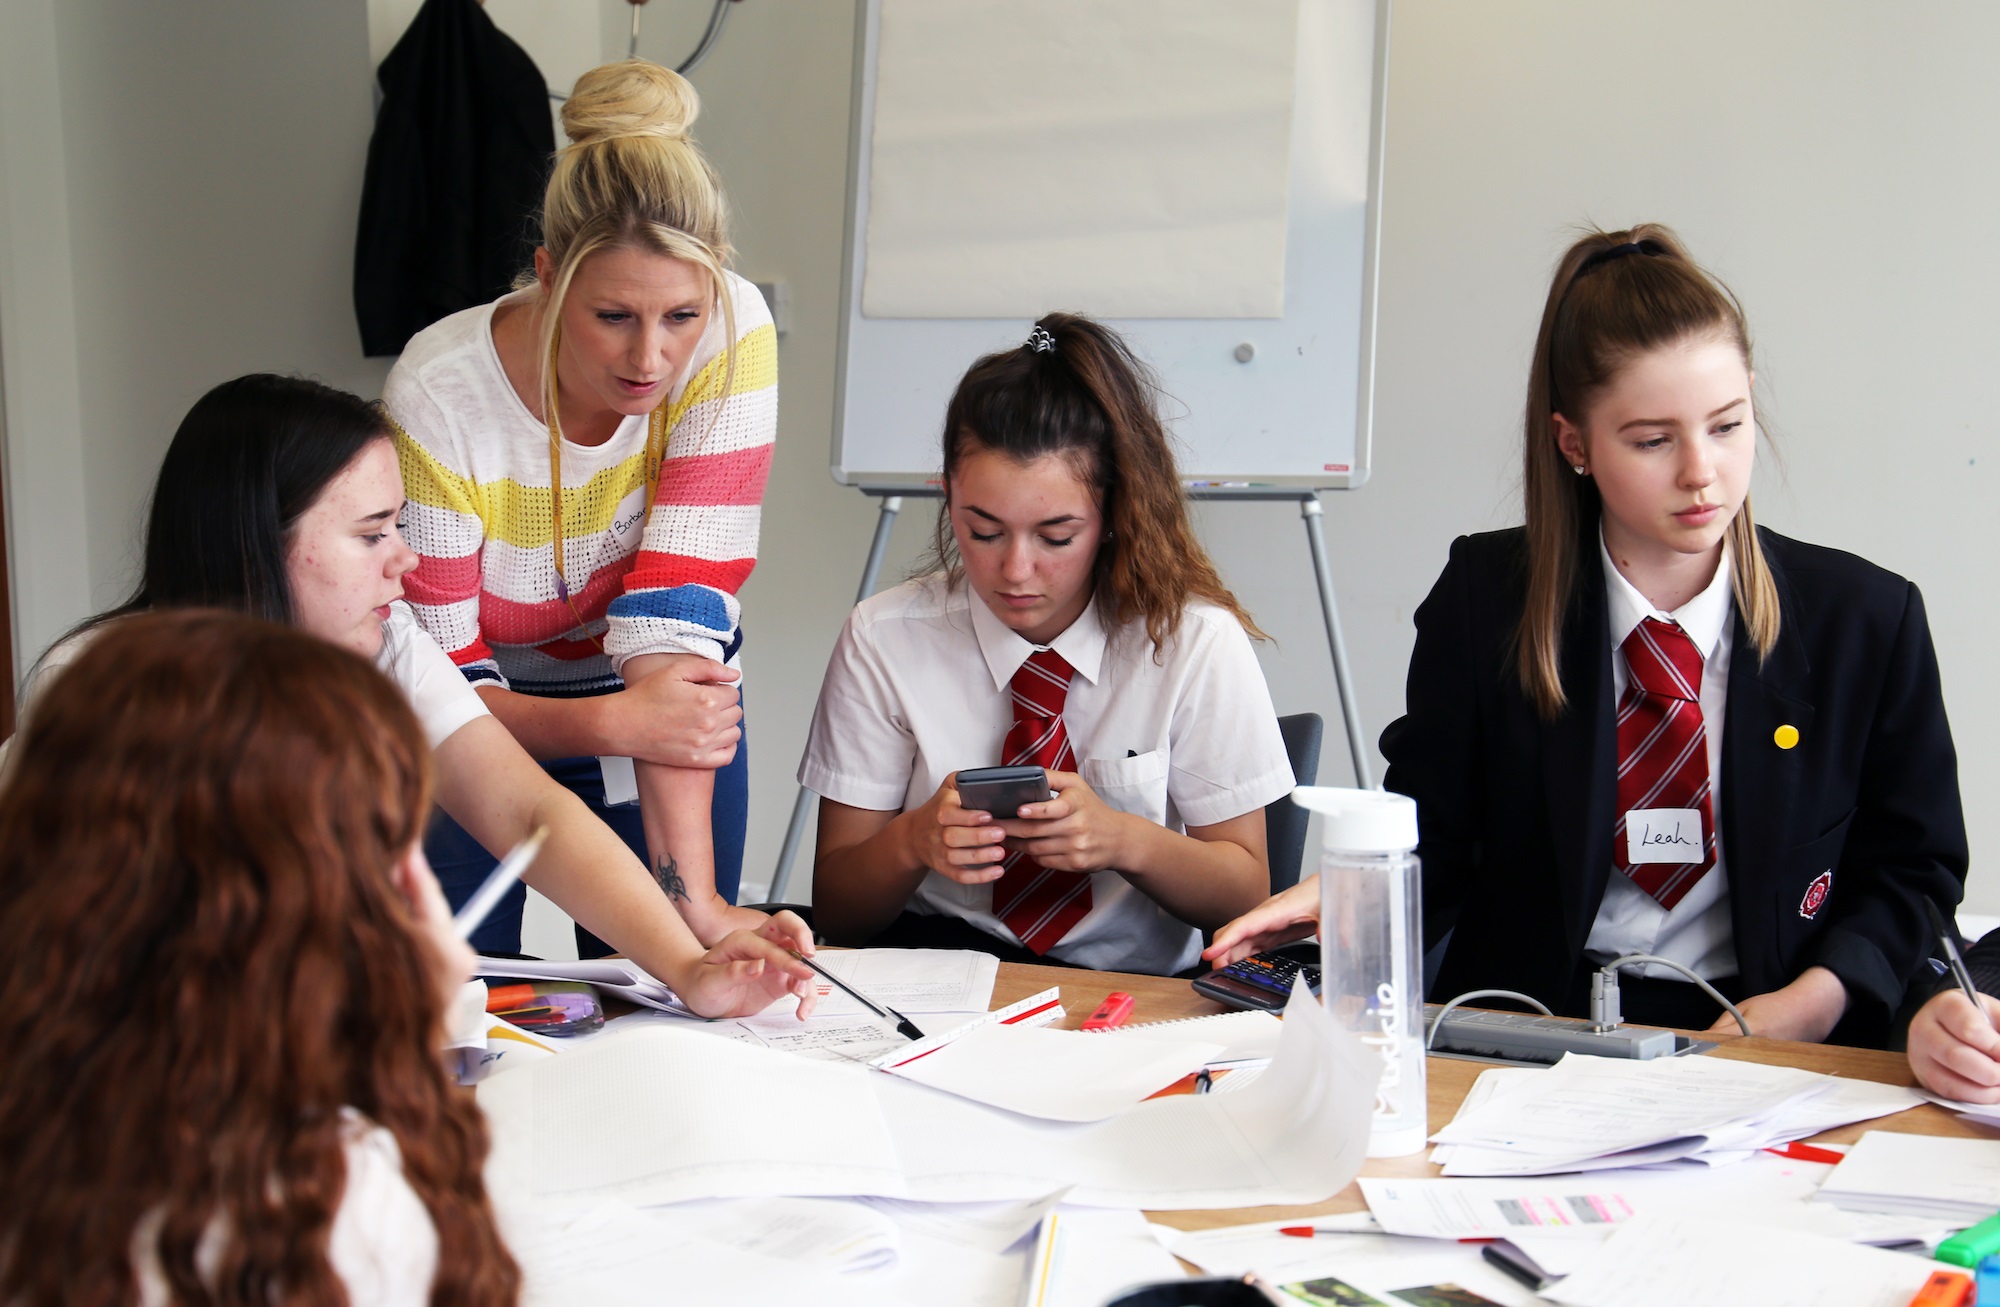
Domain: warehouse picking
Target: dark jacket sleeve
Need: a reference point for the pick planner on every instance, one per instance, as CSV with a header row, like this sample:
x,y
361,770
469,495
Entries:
x,y
1983,961
1433,749
1906,841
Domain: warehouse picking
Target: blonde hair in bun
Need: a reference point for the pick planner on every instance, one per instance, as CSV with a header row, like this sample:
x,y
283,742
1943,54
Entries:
x,y
632,177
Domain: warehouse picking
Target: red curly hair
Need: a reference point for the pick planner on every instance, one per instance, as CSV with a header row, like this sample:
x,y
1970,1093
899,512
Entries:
x,y
208,961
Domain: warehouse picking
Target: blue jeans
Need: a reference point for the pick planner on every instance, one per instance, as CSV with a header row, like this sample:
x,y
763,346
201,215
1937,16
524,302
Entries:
x,y
462,863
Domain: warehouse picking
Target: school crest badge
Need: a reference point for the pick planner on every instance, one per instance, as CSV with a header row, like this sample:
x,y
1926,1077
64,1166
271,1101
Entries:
x,y
1816,893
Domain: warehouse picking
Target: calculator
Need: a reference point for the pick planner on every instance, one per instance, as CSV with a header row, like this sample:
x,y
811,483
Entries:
x,y
1263,980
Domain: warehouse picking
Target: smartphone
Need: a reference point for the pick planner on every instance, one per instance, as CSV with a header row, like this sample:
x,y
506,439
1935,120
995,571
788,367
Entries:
x,y
1263,980
1002,790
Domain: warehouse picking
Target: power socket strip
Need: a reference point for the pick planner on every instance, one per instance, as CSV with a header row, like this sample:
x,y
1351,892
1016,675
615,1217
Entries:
x,y
1521,1037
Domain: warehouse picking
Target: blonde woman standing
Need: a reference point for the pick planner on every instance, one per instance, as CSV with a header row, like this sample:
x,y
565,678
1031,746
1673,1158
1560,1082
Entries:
x,y
585,460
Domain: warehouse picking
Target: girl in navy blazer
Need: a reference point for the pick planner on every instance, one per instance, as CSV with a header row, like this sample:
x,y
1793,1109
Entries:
x,y
1641,668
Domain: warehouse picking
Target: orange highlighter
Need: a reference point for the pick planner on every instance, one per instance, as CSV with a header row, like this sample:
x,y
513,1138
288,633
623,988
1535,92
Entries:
x,y
1944,1289
1115,1010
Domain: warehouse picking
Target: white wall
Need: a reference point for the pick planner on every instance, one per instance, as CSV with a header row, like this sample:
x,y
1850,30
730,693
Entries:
x,y
207,168
1832,158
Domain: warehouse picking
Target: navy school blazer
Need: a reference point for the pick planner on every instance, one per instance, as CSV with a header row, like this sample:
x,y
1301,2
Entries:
x,y
1830,845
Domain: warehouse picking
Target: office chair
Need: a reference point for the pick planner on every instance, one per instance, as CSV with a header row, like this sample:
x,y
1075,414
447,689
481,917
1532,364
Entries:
x,y
1285,821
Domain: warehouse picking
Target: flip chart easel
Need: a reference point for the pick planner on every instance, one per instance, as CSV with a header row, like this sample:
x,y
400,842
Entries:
x,y
1277,409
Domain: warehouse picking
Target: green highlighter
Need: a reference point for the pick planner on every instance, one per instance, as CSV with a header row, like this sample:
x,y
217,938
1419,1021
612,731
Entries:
x,y
1969,1245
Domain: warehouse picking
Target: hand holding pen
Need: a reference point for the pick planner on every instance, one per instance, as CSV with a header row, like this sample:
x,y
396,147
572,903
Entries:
x,y
1953,1045
904,1026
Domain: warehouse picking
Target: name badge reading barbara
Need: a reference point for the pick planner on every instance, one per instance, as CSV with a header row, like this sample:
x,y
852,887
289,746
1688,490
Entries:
x,y
1663,835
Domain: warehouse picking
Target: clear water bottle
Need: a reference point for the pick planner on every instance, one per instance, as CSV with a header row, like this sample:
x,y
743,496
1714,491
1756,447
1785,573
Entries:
x,y
1371,947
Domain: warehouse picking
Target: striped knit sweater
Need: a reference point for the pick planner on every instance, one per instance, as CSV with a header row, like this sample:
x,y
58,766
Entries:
x,y
476,474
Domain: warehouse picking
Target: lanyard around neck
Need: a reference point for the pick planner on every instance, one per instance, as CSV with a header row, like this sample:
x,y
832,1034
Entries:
x,y
656,451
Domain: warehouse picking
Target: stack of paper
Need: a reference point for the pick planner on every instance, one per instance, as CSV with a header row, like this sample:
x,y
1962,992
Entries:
x,y
1767,1191
1592,1113
657,1116
1658,1261
1956,1181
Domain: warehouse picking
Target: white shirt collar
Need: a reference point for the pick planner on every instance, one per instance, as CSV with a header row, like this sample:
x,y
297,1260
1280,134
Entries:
x,y
1081,645
1703,617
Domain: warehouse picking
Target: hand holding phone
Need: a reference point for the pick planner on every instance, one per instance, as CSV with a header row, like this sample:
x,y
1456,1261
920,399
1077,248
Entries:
x,y
957,842
1002,790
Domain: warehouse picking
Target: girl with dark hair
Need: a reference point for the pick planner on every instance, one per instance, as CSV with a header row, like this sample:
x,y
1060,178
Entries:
x,y
280,497
1074,623
1642,725
228,973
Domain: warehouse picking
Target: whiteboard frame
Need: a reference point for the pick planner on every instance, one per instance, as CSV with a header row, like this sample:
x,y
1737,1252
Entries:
x,y
854,255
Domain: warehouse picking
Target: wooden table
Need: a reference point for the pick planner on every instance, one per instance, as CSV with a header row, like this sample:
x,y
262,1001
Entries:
x,y
1448,1079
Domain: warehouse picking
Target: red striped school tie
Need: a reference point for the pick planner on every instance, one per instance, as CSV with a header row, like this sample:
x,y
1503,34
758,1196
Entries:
x,y
1038,905
1663,752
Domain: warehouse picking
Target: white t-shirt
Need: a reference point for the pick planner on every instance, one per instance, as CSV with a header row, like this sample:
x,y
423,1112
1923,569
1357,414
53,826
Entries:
x,y
441,697
918,688
1698,932
383,1246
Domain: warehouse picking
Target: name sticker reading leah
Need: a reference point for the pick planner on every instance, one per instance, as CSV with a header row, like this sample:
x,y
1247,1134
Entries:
x,y
1663,835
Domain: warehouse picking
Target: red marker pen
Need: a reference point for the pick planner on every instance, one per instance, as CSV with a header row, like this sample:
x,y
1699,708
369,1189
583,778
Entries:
x,y
1114,1011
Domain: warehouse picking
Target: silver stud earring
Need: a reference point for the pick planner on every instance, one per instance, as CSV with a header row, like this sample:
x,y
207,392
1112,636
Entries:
x,y
1577,468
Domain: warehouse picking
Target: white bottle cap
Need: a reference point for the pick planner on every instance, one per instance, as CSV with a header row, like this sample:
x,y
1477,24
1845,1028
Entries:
x,y
1361,821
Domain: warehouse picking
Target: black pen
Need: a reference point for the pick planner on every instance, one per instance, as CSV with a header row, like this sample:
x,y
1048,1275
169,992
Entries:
x,y
1953,958
1518,1265
904,1026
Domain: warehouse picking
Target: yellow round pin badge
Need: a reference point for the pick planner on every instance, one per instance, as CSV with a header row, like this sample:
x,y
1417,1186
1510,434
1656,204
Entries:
x,y
1785,737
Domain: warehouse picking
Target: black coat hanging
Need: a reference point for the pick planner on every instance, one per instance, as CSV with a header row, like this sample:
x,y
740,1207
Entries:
x,y
456,167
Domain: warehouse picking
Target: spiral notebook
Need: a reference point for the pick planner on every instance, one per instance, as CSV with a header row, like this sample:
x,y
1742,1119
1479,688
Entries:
x,y
1247,1037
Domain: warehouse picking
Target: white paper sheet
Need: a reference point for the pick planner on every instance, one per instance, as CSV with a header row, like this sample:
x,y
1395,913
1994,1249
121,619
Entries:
x,y
658,1117
1765,1190
1260,1248
1986,1114
1488,1209
1891,1172
616,1256
911,980
1056,1075
1660,1261
845,1237
989,1227
1245,1036
1085,1258
1043,154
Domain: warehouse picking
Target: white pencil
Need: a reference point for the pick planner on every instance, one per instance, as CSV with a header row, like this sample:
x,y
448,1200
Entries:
x,y
487,897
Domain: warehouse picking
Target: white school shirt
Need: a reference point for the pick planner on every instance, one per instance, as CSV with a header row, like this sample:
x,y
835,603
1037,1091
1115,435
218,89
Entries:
x,y
383,1245
1697,933
918,688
